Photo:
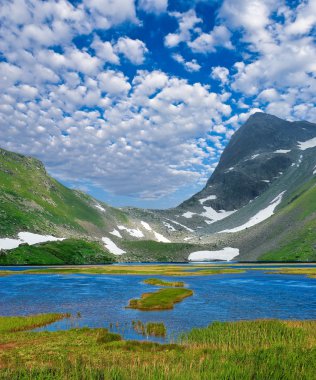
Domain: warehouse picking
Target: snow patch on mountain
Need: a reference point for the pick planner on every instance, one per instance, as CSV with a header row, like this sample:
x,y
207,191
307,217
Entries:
x,y
214,215
307,144
7,243
112,247
30,238
169,226
26,237
227,254
254,156
182,225
299,161
314,171
188,214
132,231
210,197
161,238
146,226
260,216
282,151
116,233
100,207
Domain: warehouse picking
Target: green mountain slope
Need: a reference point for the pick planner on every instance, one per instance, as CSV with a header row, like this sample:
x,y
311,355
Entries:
x,y
31,200
299,240
69,251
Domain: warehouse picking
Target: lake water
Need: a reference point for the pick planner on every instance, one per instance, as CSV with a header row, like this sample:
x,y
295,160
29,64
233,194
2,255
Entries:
x,y
101,299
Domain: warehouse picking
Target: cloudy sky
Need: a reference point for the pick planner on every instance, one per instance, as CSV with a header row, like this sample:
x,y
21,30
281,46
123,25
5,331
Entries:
x,y
134,101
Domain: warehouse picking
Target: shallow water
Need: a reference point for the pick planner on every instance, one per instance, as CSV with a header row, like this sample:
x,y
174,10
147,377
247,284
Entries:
x,y
101,299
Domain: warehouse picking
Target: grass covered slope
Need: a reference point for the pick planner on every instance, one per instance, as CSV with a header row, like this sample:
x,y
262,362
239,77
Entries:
x,y
262,350
69,251
163,299
31,200
299,243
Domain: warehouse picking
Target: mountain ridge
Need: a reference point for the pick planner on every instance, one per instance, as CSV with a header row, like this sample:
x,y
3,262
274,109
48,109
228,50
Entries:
x,y
266,161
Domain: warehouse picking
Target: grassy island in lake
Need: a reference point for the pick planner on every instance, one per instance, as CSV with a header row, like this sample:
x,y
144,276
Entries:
x,y
163,299
159,282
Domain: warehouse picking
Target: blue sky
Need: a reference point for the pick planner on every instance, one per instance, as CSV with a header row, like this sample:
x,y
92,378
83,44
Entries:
x,y
134,101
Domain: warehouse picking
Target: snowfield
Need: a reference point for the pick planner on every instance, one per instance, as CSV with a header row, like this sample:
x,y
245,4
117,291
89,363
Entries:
x,y
112,247
132,231
161,238
227,254
26,237
307,144
282,151
260,216
214,215
188,214
182,225
100,207
7,243
210,197
146,226
169,226
116,233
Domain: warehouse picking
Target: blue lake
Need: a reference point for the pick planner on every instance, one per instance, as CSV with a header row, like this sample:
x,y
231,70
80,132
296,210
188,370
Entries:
x,y
101,299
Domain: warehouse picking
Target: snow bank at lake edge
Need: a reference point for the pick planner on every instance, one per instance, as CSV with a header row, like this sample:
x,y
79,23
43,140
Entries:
x,y
227,254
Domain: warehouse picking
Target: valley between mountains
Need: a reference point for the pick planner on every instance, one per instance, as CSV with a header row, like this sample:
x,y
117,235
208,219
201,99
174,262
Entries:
x,y
258,205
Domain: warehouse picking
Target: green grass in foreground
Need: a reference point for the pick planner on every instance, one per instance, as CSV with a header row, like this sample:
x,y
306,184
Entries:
x,y
70,251
163,299
248,350
163,270
159,282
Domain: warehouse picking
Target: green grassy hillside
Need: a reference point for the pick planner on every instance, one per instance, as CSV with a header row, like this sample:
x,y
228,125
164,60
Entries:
x,y
31,200
70,251
299,243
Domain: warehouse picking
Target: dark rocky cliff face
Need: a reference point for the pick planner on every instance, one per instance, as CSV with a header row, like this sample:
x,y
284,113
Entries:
x,y
258,153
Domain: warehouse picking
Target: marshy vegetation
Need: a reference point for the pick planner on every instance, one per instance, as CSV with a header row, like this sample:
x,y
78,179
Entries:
x,y
163,270
157,329
262,349
163,299
309,272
